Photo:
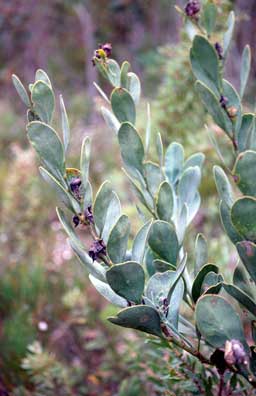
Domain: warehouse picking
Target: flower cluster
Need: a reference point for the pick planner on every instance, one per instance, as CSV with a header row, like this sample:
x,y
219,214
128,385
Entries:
x,y
192,8
102,52
235,353
97,249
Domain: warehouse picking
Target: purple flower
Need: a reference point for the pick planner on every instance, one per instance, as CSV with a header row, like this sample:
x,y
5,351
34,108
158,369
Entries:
x,y
107,48
97,248
219,50
88,216
235,353
223,101
76,220
75,185
192,8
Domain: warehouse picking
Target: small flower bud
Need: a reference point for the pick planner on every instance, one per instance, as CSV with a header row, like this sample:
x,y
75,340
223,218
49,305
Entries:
x,y
192,8
76,220
75,185
232,111
88,216
235,353
223,101
97,248
219,50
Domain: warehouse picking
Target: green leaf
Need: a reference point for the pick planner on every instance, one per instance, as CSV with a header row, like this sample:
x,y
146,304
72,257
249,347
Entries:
x,y
142,195
162,266
243,216
198,282
113,72
243,280
164,202
49,147
64,124
245,69
118,239
194,160
205,64
21,90
134,87
132,149
225,214
213,106
93,267
212,281
241,297
163,241
159,148
69,201
106,209
223,186
127,280
85,160
140,317
153,176
209,17
110,120
43,101
217,321
189,184
158,289
244,171
174,159
105,290
123,105
246,135
140,243
233,101
124,75
229,33
247,253
41,75
201,251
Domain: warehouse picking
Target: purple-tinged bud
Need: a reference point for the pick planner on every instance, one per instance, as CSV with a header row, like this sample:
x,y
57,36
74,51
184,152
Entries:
x,y
107,48
223,101
192,8
76,220
75,185
88,216
219,50
97,248
235,353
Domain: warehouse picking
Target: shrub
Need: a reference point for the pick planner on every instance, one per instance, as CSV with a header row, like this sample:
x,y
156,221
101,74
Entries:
x,y
162,290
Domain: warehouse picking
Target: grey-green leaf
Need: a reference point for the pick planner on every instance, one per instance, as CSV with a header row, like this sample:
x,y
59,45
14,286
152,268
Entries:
x,y
229,33
64,124
132,149
163,241
198,282
245,69
134,87
174,159
223,186
140,317
21,90
127,280
43,101
118,239
247,253
225,214
213,106
110,119
164,202
209,17
140,242
217,321
123,105
49,147
85,160
244,172
105,290
205,64
201,253
243,216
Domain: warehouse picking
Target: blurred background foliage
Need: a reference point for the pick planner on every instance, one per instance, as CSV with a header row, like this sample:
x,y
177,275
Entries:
x,y
54,338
